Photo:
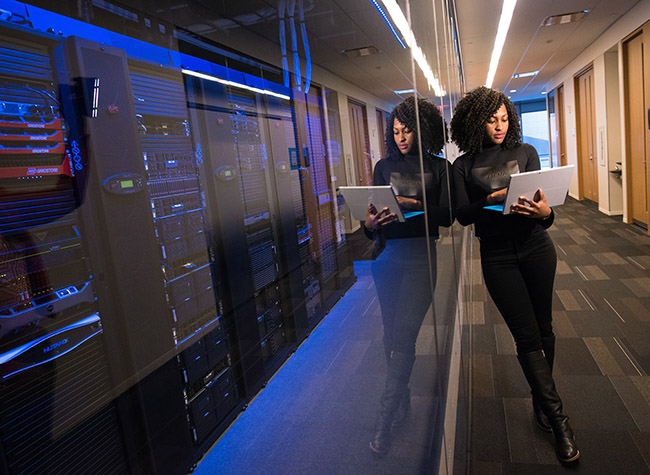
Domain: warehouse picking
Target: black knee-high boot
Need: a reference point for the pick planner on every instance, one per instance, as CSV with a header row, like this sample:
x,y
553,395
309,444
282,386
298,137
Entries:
x,y
540,380
548,345
405,405
397,379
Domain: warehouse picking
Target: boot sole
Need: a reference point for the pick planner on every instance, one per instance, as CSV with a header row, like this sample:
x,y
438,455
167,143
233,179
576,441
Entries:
x,y
377,452
572,459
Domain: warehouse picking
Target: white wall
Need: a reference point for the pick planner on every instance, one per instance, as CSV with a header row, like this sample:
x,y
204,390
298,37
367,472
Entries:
x,y
608,111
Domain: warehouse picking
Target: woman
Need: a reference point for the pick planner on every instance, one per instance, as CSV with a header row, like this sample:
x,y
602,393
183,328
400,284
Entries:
x,y
517,255
401,272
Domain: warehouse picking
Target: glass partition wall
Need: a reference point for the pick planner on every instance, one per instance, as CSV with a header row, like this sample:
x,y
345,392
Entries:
x,y
183,285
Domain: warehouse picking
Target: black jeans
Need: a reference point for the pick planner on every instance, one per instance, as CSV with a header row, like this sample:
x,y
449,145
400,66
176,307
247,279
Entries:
x,y
519,275
402,280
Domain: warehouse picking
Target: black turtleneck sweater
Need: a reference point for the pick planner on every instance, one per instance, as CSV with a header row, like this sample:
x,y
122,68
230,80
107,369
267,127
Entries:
x,y
476,176
403,174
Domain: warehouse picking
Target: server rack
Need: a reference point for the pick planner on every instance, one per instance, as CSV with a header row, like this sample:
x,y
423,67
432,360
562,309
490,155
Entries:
x,y
291,175
133,292
229,131
191,272
56,410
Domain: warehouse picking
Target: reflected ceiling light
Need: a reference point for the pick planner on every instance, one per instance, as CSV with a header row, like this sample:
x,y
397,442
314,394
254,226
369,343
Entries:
x,y
543,92
234,84
390,25
404,91
564,18
513,90
525,75
500,39
402,25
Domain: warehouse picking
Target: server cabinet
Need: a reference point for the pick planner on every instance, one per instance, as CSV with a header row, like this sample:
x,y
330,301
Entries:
x,y
118,216
56,410
191,272
290,175
253,216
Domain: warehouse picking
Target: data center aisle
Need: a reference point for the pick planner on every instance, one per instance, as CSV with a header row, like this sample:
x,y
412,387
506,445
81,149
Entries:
x,y
317,415
602,323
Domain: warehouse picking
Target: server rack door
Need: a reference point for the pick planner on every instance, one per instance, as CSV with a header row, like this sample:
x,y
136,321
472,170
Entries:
x,y
119,212
56,414
190,268
211,126
117,216
296,230
237,145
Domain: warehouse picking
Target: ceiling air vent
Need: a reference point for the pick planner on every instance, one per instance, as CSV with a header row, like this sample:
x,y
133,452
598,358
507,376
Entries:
x,y
365,51
564,18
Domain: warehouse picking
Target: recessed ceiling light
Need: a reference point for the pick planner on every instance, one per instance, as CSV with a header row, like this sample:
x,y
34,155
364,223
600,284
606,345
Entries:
x,y
513,90
543,92
564,18
525,75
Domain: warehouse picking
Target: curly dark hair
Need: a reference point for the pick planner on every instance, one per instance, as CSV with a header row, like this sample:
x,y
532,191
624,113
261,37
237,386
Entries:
x,y
472,113
432,125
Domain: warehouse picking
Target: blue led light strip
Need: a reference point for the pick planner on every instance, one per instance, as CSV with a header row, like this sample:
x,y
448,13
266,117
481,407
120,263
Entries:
x,y
390,25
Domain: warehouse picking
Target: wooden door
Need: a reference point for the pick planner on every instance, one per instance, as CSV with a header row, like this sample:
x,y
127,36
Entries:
x,y
561,137
360,143
552,130
586,118
636,127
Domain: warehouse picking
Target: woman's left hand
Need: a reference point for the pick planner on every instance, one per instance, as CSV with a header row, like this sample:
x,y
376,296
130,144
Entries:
x,y
536,208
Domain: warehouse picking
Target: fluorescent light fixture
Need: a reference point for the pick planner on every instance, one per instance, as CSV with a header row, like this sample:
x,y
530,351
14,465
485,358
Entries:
x,y
513,90
543,93
390,25
405,91
402,25
525,75
234,84
499,41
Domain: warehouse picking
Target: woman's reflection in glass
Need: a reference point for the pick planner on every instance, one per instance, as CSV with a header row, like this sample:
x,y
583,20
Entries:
x,y
401,269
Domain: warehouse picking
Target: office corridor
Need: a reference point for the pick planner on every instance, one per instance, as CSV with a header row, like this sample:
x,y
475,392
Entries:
x,y
315,416
602,324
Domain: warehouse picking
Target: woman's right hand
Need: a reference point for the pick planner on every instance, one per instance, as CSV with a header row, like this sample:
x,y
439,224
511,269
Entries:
x,y
378,219
496,197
